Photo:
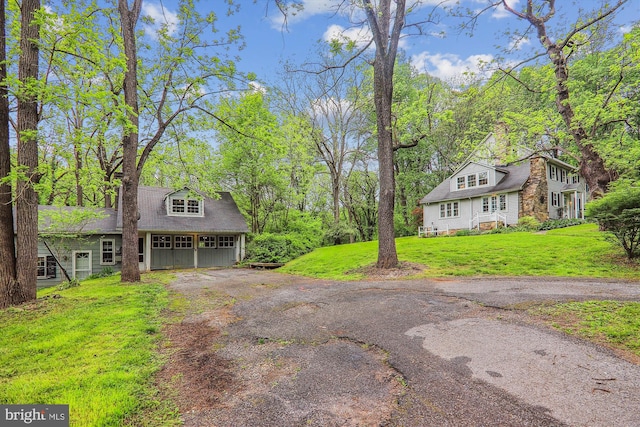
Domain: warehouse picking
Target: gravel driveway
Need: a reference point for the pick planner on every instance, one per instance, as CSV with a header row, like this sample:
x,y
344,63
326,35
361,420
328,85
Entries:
x,y
258,348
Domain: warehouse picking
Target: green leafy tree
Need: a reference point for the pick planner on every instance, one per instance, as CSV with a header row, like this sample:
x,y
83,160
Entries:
x,y
619,213
251,156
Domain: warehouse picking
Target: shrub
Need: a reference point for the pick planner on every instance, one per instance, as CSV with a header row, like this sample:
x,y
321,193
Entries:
x,y
528,223
338,234
619,213
270,247
552,224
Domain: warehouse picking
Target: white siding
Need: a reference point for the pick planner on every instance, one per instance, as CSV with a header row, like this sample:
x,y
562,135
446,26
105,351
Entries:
x,y
467,210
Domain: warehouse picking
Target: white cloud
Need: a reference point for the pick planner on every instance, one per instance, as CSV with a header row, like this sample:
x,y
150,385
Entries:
x,y
360,35
518,43
161,17
449,66
500,12
257,87
624,29
309,9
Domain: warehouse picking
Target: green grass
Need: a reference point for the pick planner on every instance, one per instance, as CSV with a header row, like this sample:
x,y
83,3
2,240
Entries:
x,y
93,348
614,323
579,251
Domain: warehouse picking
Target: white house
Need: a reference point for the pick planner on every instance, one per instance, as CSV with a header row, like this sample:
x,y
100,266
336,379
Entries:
x,y
480,195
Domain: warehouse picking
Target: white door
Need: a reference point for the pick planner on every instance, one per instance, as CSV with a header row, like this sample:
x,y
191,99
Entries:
x,y
81,264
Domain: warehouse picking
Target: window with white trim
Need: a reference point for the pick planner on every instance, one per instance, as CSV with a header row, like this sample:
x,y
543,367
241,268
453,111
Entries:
x,y
483,178
46,267
207,241
502,199
107,252
494,203
226,241
177,206
183,242
181,206
472,180
159,241
449,210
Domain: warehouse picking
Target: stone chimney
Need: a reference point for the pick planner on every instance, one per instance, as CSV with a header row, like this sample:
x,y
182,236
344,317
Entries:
x,y
536,191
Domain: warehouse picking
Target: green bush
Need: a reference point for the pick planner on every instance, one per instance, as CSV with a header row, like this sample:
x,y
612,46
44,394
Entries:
x,y
338,234
552,224
619,213
270,247
528,223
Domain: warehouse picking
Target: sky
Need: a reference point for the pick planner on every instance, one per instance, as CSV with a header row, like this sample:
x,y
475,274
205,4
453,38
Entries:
x,y
444,51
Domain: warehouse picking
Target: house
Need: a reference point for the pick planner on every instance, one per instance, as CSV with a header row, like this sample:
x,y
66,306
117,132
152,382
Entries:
x,y
482,196
176,229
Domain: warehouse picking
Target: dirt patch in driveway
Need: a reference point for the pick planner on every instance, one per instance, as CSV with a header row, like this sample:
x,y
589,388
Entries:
x,y
194,374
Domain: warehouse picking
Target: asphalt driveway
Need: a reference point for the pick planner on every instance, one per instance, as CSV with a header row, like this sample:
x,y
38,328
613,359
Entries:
x,y
279,350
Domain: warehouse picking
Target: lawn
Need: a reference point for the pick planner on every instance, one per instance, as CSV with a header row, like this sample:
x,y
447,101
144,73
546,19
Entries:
x,y
579,251
92,347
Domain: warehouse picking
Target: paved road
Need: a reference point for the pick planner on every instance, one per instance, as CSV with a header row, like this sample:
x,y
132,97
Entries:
x,y
406,353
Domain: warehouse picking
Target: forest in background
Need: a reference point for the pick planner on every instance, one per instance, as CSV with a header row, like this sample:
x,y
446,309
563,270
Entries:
x,y
299,156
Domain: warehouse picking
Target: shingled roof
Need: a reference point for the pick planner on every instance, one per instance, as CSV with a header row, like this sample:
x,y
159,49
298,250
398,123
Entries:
x,y
514,179
221,215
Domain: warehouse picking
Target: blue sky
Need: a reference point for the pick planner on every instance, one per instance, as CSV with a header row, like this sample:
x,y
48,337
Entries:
x,y
443,52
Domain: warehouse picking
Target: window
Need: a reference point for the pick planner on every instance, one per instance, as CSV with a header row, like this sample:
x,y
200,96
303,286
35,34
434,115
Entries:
x,y
563,176
553,173
183,242
503,202
449,210
496,203
141,249
225,241
483,178
207,242
160,242
46,267
575,179
193,206
460,182
177,205
107,252
471,180
186,207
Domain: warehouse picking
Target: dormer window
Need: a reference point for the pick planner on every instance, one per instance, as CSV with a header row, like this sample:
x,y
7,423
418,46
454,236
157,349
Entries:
x,y
472,180
179,205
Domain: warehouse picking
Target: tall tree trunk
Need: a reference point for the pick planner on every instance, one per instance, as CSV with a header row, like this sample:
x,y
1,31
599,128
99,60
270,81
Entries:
x,y
130,176
26,197
7,236
386,37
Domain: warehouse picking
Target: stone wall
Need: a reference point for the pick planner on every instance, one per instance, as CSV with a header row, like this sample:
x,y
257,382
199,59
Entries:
x,y
536,191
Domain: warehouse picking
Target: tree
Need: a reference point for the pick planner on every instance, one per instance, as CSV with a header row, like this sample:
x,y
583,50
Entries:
x,y
28,174
619,212
7,242
251,155
592,165
130,175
